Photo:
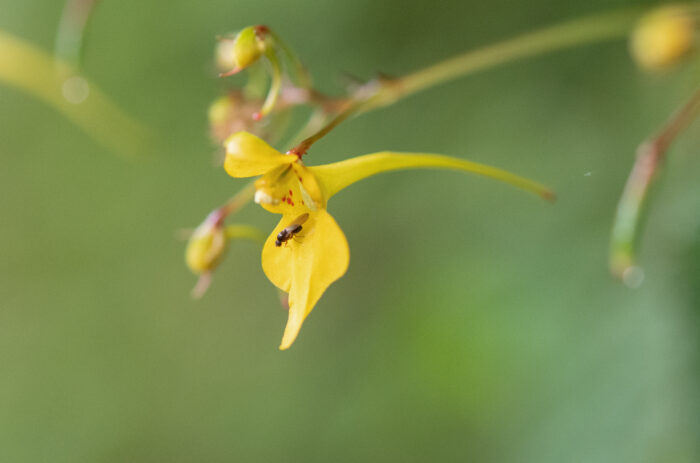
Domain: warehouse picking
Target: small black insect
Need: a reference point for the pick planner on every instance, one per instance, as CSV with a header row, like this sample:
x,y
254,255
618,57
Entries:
x,y
290,230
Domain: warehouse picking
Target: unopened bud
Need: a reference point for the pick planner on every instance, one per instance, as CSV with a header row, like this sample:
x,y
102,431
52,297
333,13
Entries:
x,y
663,37
205,248
247,47
230,114
242,51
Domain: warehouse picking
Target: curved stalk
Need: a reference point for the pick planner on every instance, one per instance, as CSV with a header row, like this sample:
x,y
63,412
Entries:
x,y
384,91
58,84
569,34
636,195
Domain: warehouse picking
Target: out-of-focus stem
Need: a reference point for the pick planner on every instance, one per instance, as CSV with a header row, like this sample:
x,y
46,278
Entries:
x,y
237,201
300,71
569,34
635,197
386,91
275,86
244,232
217,217
71,30
350,110
35,72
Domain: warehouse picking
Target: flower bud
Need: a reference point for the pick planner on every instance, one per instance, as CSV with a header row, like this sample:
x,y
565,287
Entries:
x,y
247,47
205,248
663,37
230,114
240,52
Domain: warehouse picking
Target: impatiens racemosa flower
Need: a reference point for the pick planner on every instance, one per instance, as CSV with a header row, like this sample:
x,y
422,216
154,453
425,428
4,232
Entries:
x,y
316,254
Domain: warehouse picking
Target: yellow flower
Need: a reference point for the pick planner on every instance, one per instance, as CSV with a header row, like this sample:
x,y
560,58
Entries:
x,y
317,253
664,36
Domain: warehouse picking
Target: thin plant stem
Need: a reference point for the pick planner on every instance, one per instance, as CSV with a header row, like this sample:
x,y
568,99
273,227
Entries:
x,y
635,198
37,73
275,86
300,71
384,91
245,232
71,30
351,110
599,28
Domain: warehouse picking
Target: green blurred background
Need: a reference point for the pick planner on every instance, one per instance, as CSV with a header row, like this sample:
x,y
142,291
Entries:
x,y
475,323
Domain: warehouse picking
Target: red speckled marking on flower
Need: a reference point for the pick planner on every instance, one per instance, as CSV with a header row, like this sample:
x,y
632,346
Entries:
x,y
291,193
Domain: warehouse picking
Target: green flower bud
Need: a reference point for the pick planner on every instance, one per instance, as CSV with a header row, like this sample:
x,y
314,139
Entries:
x,y
247,47
240,52
205,248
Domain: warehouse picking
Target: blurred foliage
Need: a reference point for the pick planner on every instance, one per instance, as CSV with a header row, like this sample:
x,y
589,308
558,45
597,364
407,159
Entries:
x,y
58,84
475,323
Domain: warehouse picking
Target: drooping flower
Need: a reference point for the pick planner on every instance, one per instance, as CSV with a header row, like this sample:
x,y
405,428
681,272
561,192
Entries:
x,y
306,264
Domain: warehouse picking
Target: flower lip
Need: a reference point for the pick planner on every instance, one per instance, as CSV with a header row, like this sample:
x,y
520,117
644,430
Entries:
x,y
305,269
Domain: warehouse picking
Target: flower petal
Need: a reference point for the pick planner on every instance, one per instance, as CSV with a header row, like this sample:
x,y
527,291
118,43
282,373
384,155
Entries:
x,y
334,177
248,156
305,266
